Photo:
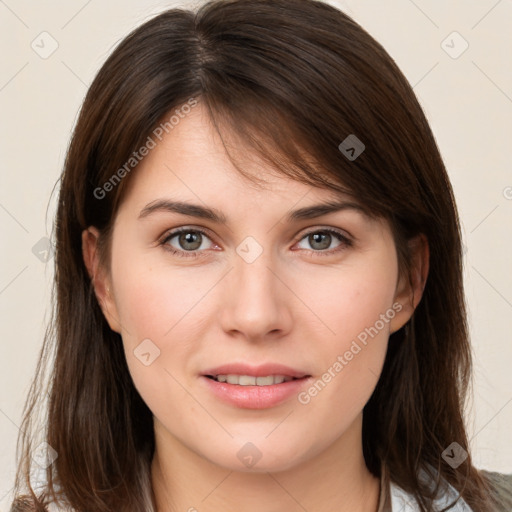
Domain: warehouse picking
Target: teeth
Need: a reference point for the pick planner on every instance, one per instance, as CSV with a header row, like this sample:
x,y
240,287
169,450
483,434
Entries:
x,y
249,380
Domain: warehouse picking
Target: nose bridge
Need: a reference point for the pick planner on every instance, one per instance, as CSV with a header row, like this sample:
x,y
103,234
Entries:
x,y
255,305
252,268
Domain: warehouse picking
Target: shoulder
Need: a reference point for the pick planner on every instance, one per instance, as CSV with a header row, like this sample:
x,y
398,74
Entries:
x,y
27,504
402,501
502,485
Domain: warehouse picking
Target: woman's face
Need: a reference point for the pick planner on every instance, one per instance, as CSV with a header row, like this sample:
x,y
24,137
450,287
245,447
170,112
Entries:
x,y
318,294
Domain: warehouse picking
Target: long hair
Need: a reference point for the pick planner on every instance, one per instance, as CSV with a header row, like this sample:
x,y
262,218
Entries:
x,y
290,80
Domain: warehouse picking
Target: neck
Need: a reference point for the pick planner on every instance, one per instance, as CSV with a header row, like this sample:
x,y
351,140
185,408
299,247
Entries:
x,y
336,479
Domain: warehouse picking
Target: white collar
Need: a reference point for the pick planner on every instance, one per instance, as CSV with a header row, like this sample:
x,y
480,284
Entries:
x,y
401,501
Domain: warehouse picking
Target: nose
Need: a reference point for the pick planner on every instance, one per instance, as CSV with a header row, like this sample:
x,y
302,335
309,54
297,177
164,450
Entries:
x,y
256,303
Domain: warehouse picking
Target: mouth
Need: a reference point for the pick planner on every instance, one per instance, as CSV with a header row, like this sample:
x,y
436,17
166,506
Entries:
x,y
247,386
250,380
254,392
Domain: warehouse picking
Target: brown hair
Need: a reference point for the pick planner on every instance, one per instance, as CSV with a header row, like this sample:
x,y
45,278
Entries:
x,y
291,79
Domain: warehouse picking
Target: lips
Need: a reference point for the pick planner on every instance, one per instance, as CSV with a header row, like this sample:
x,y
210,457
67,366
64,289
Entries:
x,y
237,389
254,387
248,380
263,370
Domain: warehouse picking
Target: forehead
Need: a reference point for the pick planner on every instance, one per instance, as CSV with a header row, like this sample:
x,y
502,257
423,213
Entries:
x,y
191,162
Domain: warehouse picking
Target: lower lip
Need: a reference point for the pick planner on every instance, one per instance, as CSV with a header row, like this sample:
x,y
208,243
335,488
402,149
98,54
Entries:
x,y
255,397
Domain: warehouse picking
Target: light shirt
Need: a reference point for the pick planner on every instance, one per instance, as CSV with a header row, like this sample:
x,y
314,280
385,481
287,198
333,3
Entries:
x,y
394,499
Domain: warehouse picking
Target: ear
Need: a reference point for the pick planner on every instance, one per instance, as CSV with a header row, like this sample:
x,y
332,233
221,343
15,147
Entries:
x,y
409,289
100,278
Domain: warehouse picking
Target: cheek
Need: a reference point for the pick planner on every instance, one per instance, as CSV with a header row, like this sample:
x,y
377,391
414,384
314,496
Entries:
x,y
357,308
361,304
152,300
351,301
162,304
152,307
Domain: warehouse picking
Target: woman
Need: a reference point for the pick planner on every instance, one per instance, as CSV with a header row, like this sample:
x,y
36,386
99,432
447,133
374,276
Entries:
x,y
253,369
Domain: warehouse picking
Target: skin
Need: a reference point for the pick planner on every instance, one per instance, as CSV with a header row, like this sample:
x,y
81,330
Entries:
x,y
290,306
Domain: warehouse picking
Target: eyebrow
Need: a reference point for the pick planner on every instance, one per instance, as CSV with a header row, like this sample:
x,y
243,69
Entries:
x,y
214,215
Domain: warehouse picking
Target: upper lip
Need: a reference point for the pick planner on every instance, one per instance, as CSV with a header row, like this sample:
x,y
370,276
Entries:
x,y
255,371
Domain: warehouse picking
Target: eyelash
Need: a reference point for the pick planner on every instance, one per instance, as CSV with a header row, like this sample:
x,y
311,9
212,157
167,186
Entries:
x,y
346,242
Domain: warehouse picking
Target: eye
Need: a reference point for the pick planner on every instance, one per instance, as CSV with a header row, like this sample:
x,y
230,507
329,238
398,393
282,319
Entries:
x,y
322,239
189,241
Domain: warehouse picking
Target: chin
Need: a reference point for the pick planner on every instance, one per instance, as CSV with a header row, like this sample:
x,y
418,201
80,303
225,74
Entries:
x,y
251,459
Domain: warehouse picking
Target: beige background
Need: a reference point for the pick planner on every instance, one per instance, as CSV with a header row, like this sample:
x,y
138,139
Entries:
x,y
468,101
